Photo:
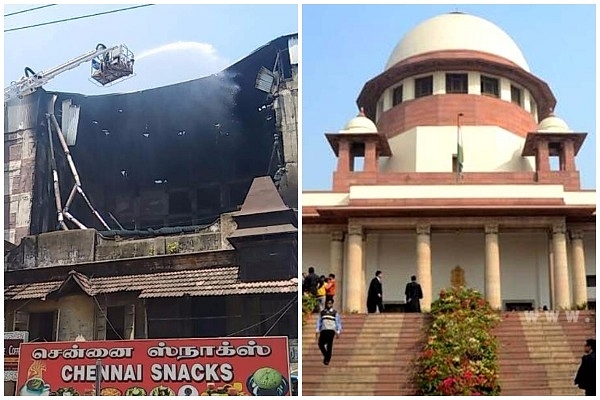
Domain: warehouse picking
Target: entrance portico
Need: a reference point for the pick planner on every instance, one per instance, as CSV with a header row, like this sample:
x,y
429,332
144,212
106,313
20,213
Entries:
x,y
474,244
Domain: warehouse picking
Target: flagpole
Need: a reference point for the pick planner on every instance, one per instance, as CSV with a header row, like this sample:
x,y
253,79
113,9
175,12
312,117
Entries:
x,y
459,150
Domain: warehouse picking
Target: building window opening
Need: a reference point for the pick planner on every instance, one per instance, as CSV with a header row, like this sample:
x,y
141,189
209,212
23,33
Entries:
x,y
590,281
397,95
424,86
457,83
42,326
533,109
490,86
554,152
516,95
357,157
115,324
454,163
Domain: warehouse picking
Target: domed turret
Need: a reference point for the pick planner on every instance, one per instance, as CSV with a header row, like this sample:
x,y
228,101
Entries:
x,y
360,124
553,124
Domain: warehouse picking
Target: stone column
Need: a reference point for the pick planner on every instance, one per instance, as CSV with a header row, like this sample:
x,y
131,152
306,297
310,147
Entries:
x,y
579,279
424,265
344,158
492,267
336,265
561,267
542,157
371,156
569,155
353,276
551,272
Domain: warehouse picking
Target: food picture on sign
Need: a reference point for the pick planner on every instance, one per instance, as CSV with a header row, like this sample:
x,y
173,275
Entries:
x,y
109,391
135,391
226,390
267,381
35,385
162,391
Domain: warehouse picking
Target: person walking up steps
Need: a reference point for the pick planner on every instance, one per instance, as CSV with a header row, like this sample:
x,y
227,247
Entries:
x,y
375,294
413,294
329,325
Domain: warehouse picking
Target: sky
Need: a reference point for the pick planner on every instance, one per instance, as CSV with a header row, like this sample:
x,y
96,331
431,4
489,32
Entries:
x,y
344,46
171,43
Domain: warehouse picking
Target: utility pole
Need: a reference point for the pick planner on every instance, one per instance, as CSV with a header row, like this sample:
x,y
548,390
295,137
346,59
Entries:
x,y
98,375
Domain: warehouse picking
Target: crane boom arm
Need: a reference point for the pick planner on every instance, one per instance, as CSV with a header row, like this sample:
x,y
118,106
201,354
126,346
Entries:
x,y
29,84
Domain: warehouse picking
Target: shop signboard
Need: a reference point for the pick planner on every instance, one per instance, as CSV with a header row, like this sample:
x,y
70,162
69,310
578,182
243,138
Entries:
x,y
157,367
12,342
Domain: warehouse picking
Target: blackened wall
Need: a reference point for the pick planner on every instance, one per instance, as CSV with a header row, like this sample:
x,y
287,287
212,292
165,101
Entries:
x,y
176,155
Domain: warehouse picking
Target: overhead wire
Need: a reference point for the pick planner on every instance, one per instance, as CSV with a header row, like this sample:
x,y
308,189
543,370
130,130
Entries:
x,y
281,316
79,17
28,10
283,309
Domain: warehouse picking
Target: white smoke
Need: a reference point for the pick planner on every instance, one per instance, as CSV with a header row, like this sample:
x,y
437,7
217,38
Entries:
x,y
205,49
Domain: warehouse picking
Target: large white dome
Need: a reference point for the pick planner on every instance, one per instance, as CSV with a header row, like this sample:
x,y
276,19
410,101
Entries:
x,y
457,31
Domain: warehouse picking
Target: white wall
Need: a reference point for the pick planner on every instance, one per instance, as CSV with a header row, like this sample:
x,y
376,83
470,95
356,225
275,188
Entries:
x,y
524,267
430,149
315,252
395,255
464,249
485,149
404,155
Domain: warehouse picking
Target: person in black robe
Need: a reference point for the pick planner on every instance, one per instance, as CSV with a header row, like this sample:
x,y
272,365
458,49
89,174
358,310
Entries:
x,y
586,375
413,295
375,294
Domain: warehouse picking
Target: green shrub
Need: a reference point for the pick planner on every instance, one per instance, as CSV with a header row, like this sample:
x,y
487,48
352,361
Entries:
x,y
309,303
460,357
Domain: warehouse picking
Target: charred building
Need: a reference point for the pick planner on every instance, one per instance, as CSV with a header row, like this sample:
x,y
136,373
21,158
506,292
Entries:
x,y
172,212
171,156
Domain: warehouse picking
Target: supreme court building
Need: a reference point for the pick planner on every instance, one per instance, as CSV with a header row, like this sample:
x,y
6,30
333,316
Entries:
x,y
405,200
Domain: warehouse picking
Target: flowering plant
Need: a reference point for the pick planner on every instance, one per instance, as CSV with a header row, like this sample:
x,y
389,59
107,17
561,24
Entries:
x,y
460,357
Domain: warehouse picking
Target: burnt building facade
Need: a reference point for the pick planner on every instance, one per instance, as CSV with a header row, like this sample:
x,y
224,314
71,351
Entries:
x,y
172,214
171,156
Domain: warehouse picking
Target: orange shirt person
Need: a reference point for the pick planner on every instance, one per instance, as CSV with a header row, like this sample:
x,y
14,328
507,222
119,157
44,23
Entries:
x,y
330,288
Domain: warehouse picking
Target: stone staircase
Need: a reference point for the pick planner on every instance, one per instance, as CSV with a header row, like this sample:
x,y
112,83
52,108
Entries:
x,y
373,356
540,356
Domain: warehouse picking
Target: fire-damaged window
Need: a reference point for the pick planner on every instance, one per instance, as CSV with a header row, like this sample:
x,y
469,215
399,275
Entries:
x,y
202,316
115,326
42,326
213,316
168,319
209,316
